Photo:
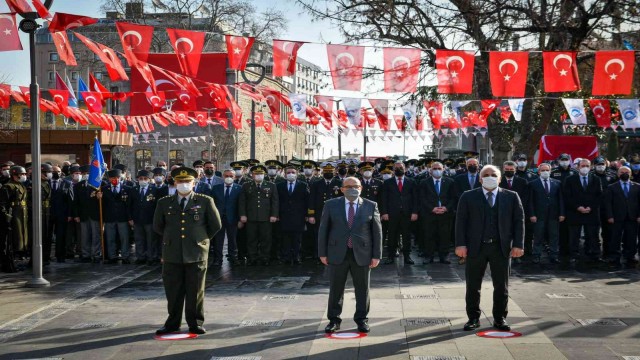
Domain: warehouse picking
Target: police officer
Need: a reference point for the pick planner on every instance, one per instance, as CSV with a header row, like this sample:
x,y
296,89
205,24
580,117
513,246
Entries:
x,y
273,169
522,170
370,187
322,190
186,221
13,206
258,209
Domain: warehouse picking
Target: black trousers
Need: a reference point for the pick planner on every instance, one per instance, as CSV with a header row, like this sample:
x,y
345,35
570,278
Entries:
x,y
184,288
259,240
59,229
606,230
309,242
474,272
623,233
436,231
276,241
231,231
563,243
337,281
399,225
591,241
291,242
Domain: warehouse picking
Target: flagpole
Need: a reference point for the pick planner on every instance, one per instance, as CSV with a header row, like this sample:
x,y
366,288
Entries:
x,y
364,137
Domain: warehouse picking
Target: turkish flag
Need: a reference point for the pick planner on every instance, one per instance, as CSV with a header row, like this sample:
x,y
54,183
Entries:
x,y
19,6
293,121
202,117
62,21
107,56
5,96
250,91
188,100
92,99
63,46
223,122
272,98
434,110
259,119
182,118
144,70
236,111
325,107
26,94
401,67
613,72
238,49
284,57
551,146
50,106
508,72
268,127
454,70
188,47
9,37
136,40
61,97
42,10
472,118
157,100
94,85
381,109
505,113
560,71
601,111
346,64
401,124
488,106
17,96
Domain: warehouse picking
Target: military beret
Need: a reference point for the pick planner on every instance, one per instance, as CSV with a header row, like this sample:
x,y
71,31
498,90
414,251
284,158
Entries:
x,y
184,173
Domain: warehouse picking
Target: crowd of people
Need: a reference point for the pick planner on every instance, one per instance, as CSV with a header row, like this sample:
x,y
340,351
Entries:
x,y
271,211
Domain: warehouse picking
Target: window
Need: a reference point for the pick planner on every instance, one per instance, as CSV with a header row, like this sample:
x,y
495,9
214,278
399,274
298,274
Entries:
x,y
53,57
51,75
74,75
176,157
96,57
26,115
76,55
49,118
98,75
143,159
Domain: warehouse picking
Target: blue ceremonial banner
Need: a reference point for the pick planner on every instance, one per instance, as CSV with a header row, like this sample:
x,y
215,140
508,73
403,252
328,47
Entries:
x,y
96,171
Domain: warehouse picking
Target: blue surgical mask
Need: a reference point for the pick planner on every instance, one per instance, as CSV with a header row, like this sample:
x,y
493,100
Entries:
x,y
635,167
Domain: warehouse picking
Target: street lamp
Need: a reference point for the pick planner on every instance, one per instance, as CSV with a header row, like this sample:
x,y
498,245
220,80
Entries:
x,y
261,74
29,26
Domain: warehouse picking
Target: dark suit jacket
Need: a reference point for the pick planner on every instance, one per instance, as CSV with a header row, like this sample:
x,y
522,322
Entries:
x,y
429,197
61,201
544,206
462,183
470,220
293,207
366,232
321,192
228,209
372,190
394,203
619,207
142,208
116,207
575,196
520,186
85,205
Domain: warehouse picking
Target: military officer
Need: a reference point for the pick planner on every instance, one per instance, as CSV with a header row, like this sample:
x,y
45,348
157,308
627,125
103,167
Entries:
x,y
258,210
411,168
450,165
186,221
522,170
341,170
307,172
5,172
370,187
273,171
239,167
352,168
13,206
322,190
46,174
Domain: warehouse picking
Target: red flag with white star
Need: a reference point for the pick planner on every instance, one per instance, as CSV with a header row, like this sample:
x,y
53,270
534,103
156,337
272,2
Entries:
x,y
325,107
238,49
601,110
63,46
157,100
434,110
92,99
560,71
60,97
201,117
284,57
5,96
136,40
62,21
454,70
401,67
381,109
19,6
188,47
346,64
9,37
508,72
613,72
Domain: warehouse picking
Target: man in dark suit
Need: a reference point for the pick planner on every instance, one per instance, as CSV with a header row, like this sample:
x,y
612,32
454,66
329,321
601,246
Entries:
x,y
326,188
511,181
116,211
60,209
489,230
143,205
293,203
349,241
622,202
546,212
437,204
399,206
186,222
85,211
226,199
582,193
464,180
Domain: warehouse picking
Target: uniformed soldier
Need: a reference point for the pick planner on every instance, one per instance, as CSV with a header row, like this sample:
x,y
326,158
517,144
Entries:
x,y
322,190
5,173
186,221
307,171
273,169
460,166
46,174
522,170
424,165
14,198
607,177
370,187
352,168
378,166
341,170
239,167
411,168
258,209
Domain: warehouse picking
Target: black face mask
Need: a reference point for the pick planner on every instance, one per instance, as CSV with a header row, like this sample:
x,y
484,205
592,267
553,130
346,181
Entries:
x,y
328,176
170,181
352,171
342,171
56,176
624,177
472,169
398,172
208,172
509,174
65,169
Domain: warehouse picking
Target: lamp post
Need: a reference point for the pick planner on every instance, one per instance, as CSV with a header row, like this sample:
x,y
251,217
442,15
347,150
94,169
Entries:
x,y
29,26
261,74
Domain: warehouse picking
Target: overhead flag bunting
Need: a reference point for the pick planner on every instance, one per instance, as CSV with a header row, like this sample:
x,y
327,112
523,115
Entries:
x,y
508,73
601,110
299,105
136,40
238,50
516,106
560,71
629,110
381,109
346,65
107,56
62,22
92,100
285,54
454,70
613,73
575,109
325,107
401,68
188,47
5,96
63,46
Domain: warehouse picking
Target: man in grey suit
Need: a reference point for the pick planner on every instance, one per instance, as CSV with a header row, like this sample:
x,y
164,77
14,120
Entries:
x,y
489,230
349,240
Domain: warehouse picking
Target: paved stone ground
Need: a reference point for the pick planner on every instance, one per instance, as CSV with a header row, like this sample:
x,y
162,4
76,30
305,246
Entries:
x,y
95,311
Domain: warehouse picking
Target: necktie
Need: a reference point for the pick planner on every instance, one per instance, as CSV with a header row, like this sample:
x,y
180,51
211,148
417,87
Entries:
x,y
490,199
472,181
400,185
290,188
626,189
226,193
54,185
209,181
438,187
352,213
141,192
183,203
509,181
546,186
584,182
113,189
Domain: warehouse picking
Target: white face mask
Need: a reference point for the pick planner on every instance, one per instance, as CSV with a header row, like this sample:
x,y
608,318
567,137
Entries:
x,y
308,172
452,171
123,177
564,163
5,173
163,167
184,188
228,180
367,174
436,173
23,178
489,182
258,178
545,175
49,176
238,172
143,183
600,168
159,179
522,164
386,176
76,177
272,172
584,171
291,177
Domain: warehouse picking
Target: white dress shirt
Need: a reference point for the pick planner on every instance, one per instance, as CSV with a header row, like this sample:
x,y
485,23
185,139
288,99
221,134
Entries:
x,y
346,206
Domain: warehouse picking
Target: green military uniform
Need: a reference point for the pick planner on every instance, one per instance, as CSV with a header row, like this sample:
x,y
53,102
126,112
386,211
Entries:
x,y
14,198
274,165
185,235
258,203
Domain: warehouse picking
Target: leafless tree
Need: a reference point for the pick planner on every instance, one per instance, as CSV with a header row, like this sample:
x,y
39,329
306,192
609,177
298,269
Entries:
x,y
497,25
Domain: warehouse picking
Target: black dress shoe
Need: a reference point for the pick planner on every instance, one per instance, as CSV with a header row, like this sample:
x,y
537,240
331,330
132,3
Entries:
x,y
165,330
445,261
363,327
408,260
389,261
501,325
427,261
197,330
472,324
332,327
